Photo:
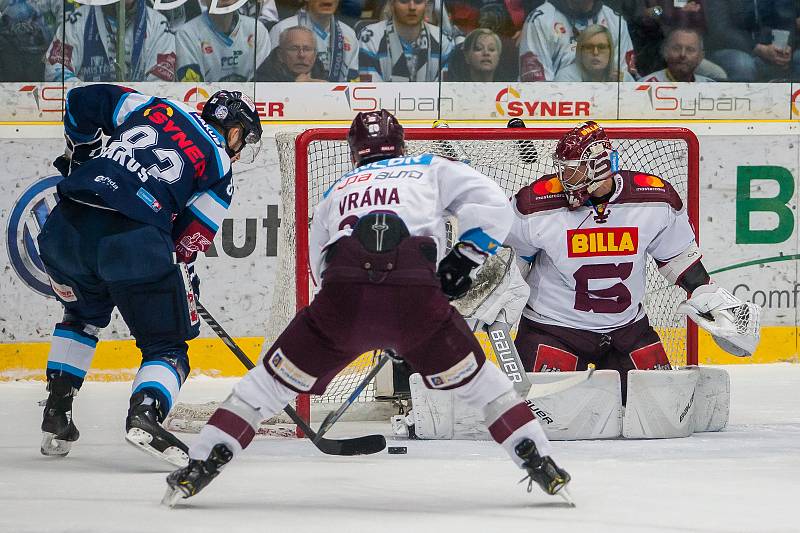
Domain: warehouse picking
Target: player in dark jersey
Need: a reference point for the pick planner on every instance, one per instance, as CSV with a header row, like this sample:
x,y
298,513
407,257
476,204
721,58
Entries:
x,y
133,213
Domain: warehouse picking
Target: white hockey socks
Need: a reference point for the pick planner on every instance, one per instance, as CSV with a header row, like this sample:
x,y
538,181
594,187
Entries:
x,y
507,416
256,397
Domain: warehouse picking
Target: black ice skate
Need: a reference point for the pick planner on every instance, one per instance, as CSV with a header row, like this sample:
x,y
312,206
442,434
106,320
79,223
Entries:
x,y
58,430
191,479
145,432
543,470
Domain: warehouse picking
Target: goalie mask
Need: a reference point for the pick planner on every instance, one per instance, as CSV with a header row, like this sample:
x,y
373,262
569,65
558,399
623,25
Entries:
x,y
227,109
374,136
583,159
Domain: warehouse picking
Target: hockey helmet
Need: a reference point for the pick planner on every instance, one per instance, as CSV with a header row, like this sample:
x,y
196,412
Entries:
x,y
583,159
374,136
226,109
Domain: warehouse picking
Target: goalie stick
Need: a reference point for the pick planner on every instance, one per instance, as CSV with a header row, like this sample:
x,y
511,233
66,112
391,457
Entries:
x,y
365,445
511,364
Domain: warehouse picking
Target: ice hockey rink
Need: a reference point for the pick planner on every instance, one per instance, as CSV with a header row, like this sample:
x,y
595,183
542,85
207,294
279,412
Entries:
x,y
744,479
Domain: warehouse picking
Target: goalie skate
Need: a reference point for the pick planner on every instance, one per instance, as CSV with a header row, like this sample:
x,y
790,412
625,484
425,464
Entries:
x,y
191,479
58,429
146,433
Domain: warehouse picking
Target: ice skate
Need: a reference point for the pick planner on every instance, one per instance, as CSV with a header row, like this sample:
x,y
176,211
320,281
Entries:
x,y
191,479
58,429
144,431
543,470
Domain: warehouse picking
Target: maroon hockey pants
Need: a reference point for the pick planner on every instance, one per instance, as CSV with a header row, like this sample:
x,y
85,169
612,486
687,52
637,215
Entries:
x,y
376,300
548,348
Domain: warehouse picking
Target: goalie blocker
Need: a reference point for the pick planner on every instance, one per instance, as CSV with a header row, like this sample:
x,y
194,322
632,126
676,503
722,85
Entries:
x,y
661,404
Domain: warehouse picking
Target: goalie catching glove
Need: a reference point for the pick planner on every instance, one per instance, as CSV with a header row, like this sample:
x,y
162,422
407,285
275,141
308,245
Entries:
x,y
734,324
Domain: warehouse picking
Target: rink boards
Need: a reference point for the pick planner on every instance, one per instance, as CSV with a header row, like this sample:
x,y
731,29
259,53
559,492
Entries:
x,y
748,233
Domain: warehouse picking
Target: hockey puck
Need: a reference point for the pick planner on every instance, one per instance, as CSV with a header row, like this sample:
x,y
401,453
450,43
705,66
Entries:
x,y
397,450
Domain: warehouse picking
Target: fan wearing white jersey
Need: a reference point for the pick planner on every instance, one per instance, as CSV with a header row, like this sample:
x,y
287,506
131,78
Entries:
x,y
587,231
376,239
225,47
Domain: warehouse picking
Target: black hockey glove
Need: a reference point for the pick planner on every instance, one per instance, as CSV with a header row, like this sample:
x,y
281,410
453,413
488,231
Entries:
x,y
453,272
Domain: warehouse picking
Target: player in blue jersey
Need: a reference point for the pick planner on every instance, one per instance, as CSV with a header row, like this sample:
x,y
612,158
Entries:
x,y
133,213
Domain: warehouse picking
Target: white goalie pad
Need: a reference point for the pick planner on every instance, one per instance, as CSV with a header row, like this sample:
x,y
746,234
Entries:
x,y
712,399
592,409
735,325
660,404
437,414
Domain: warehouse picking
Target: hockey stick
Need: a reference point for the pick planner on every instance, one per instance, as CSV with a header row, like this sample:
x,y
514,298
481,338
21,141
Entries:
x,y
333,416
511,364
356,446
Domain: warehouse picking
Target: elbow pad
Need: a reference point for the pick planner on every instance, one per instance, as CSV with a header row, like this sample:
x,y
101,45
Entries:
x,y
685,269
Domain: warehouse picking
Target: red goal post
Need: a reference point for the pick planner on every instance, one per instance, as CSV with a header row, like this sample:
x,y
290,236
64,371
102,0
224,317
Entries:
x,y
653,150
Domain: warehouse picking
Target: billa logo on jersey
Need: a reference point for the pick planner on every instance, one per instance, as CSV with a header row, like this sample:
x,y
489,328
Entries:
x,y
593,242
551,186
648,180
509,102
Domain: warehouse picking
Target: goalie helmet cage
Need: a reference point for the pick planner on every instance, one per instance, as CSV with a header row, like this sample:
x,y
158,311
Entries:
x,y
312,160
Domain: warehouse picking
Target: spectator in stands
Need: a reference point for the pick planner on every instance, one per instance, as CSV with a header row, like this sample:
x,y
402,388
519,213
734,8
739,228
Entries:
x,y
295,58
550,32
477,58
404,47
649,21
593,59
221,47
24,38
88,53
337,45
741,37
683,52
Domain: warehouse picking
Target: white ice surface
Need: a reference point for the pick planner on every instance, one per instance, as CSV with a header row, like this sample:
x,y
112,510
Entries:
x,y
745,479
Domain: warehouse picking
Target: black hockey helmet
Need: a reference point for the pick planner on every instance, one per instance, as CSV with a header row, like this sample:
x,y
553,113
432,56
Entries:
x,y
226,109
374,136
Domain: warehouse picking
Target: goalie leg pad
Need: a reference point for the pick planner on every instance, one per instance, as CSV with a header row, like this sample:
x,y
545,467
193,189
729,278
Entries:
x,y
712,399
590,410
660,404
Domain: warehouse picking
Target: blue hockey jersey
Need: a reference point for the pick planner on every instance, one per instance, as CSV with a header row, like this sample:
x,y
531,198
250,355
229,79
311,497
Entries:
x,y
162,163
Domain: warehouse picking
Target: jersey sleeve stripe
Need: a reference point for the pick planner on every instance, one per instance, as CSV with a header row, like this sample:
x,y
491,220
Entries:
x,y
209,211
130,103
220,201
481,240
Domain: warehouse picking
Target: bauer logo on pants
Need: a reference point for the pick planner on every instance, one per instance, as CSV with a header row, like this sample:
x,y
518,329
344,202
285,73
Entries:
x,y
26,219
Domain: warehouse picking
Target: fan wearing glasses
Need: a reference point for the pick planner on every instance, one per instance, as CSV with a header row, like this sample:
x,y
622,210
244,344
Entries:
x,y
295,58
595,58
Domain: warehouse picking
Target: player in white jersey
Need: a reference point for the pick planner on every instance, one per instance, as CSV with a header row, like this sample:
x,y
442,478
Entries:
x,y
221,47
550,32
337,45
375,240
587,231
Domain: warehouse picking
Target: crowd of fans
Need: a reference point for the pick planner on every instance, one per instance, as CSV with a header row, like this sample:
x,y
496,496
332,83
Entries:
x,y
403,40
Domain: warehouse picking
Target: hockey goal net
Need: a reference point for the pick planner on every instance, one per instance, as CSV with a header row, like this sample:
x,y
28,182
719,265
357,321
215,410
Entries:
x,y
312,160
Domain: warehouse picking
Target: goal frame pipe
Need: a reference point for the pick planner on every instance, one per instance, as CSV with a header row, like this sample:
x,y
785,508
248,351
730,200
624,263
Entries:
x,y
302,263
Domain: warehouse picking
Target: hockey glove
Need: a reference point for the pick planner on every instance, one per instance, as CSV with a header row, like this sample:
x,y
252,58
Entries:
x,y
78,153
454,270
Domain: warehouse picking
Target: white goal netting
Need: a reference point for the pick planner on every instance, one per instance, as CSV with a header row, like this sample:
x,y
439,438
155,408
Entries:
x,y
513,158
